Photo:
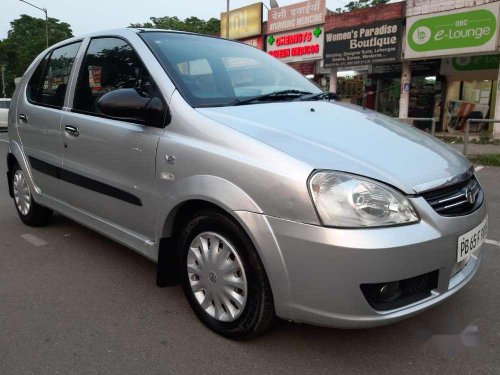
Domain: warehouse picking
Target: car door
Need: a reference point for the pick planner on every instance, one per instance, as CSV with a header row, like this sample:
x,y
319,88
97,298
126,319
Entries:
x,y
39,112
109,161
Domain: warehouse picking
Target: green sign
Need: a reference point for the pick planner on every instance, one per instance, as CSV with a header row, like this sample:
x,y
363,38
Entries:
x,y
475,62
452,31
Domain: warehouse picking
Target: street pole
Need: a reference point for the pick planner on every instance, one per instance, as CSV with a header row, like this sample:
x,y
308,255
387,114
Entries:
x,y
227,20
46,21
46,28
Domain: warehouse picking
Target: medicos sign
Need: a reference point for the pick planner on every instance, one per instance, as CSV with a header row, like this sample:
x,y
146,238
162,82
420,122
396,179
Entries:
x,y
473,30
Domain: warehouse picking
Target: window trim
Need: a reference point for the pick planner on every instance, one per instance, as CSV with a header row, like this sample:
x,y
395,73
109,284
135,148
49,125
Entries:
x,y
49,54
71,106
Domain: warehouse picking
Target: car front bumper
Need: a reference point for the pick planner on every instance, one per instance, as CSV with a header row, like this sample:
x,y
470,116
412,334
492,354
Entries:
x,y
316,272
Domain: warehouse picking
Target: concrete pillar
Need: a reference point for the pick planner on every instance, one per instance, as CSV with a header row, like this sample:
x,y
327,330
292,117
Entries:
x,y
496,127
404,99
333,80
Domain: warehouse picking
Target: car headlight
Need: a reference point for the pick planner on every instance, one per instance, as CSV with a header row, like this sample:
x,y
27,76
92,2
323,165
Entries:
x,y
345,200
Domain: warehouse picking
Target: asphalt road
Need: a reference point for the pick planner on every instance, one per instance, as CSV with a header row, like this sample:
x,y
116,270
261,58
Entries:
x,y
75,302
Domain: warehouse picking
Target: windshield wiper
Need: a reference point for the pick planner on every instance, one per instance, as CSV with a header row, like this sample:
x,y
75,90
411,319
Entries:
x,y
326,95
272,95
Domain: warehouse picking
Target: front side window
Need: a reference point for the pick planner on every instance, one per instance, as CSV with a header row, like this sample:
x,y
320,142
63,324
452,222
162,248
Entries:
x,y
49,82
109,64
217,72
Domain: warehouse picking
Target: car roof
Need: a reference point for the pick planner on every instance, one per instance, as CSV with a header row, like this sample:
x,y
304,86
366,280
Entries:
x,y
123,32
4,99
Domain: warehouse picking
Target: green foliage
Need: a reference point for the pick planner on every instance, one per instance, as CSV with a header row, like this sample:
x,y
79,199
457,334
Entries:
x,y
191,24
486,159
360,4
25,40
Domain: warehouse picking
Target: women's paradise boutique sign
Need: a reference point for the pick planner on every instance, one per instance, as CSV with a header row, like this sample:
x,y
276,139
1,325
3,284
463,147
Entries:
x,y
296,16
376,43
297,45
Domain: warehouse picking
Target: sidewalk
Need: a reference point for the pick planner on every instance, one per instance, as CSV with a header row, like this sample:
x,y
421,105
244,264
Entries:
x,y
477,149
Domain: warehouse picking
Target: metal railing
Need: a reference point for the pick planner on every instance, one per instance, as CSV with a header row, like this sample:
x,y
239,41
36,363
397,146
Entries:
x,y
431,119
467,127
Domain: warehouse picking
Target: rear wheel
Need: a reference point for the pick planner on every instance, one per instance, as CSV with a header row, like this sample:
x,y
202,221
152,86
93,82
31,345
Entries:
x,y
223,277
30,212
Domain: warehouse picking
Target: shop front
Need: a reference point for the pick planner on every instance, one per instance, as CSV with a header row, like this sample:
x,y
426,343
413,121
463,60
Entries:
x,y
356,43
466,42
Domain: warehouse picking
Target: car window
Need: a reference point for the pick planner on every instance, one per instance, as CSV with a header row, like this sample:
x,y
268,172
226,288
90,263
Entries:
x,y
216,72
109,64
49,82
5,104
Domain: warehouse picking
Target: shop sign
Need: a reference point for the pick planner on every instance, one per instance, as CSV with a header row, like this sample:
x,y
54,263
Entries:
x,y
243,22
378,42
301,45
296,16
456,65
257,42
453,32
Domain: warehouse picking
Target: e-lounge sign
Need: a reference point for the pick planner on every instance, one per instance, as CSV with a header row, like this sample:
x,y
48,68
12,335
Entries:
x,y
474,30
375,43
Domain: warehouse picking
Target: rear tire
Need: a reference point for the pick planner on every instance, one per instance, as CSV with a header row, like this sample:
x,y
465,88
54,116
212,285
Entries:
x,y
226,284
30,212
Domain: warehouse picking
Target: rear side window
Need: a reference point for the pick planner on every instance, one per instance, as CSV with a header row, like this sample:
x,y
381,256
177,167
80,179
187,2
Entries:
x,y
110,64
49,82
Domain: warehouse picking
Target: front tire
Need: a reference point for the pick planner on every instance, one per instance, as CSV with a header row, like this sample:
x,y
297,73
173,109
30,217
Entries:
x,y
30,212
223,277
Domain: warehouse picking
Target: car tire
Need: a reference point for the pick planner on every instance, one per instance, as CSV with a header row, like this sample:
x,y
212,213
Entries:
x,y
30,212
224,266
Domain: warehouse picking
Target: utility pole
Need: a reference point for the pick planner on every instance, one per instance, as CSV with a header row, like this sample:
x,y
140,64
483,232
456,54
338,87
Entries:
x,y
227,20
3,81
46,20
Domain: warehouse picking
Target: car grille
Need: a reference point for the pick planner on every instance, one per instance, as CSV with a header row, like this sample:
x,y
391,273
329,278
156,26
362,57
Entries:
x,y
456,200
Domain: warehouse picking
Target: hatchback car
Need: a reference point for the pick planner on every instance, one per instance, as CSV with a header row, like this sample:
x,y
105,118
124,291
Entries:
x,y
4,111
243,181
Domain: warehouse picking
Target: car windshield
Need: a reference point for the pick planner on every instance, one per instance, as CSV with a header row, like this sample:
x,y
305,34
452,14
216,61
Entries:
x,y
212,72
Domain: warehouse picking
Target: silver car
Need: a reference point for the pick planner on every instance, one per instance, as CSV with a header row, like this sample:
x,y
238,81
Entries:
x,y
243,181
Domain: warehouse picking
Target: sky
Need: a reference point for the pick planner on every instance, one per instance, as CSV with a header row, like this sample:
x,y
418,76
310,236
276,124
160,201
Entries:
x,y
86,16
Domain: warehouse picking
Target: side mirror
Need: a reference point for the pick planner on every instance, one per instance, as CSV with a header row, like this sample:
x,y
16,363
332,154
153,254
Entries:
x,y
127,104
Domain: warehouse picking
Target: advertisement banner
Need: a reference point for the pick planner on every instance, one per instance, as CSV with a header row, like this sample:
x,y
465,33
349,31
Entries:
x,y
296,16
376,43
474,30
458,65
299,45
243,22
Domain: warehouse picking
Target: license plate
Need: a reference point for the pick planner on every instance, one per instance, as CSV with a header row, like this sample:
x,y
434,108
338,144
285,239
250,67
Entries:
x,y
472,240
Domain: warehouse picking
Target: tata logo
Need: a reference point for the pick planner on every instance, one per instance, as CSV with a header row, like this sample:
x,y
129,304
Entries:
x,y
469,195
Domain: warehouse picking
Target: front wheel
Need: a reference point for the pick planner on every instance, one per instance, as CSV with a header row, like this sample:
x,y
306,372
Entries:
x,y
30,212
223,277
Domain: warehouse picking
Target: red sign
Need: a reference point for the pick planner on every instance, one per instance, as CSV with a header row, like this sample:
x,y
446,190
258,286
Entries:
x,y
257,42
302,45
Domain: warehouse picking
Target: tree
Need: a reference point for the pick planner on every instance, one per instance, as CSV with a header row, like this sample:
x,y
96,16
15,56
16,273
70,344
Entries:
x,y
25,40
191,24
360,4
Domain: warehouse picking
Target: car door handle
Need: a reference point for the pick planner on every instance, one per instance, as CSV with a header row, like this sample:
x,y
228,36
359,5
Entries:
x,y
72,129
23,117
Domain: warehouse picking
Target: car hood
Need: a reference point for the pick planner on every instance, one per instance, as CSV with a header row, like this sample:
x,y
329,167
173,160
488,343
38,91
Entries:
x,y
346,138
